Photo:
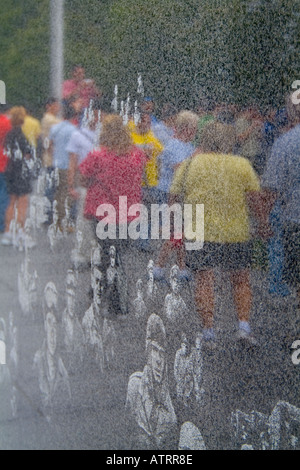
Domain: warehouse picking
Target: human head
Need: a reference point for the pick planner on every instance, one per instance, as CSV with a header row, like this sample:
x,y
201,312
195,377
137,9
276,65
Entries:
x,y
17,116
156,343
114,135
78,73
226,116
168,111
169,114
4,108
198,341
52,106
186,125
144,125
50,295
148,105
77,105
68,111
218,138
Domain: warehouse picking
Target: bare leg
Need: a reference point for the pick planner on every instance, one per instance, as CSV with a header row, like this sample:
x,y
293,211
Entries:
x,y
242,293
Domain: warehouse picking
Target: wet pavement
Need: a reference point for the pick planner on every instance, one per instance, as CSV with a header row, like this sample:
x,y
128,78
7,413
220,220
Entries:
x,y
234,376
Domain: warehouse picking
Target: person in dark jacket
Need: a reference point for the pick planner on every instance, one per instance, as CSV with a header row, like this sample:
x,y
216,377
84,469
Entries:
x,y
17,173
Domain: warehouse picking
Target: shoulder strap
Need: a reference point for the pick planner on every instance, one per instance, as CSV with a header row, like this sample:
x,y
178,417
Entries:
x,y
186,172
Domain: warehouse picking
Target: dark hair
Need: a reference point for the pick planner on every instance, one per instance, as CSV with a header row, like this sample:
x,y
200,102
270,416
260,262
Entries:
x,y
4,108
105,105
226,117
168,110
68,111
77,66
50,101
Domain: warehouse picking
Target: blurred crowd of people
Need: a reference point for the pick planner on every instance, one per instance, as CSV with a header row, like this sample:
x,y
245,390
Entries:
x,y
241,163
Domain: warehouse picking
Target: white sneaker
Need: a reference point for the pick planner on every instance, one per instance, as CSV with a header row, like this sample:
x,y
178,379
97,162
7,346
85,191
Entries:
x,y
6,239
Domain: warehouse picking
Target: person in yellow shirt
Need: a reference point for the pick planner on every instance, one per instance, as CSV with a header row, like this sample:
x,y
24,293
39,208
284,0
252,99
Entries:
x,y
143,137
31,129
227,185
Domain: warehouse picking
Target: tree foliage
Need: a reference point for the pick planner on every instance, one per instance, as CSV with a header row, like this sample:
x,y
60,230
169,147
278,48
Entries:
x,y
234,50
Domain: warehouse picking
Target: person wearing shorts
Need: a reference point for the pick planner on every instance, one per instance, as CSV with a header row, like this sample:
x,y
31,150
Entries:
x,y
224,183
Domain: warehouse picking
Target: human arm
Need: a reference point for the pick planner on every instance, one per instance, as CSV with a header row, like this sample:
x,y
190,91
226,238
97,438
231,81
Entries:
x,y
260,201
90,168
260,204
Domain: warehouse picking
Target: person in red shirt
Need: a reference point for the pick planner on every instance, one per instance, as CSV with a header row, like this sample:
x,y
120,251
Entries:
x,y
78,87
5,127
115,170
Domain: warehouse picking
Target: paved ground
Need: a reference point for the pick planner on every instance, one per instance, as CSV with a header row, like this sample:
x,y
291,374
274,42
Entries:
x,y
234,377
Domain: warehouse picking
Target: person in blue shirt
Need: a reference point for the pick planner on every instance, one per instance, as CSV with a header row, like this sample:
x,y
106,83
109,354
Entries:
x,y
177,149
163,128
59,137
282,179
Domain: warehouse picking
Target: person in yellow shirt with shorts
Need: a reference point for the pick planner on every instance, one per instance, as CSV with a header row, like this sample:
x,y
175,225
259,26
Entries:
x,y
226,184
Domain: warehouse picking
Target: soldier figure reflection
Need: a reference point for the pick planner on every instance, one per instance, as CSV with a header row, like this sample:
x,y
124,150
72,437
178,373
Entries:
x,y
150,410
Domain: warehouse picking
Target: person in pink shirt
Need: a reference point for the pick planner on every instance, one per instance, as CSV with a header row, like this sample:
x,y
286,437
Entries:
x,y
80,87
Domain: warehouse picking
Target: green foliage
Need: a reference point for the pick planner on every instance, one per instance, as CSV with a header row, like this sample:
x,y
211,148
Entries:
x,y
24,56
185,49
